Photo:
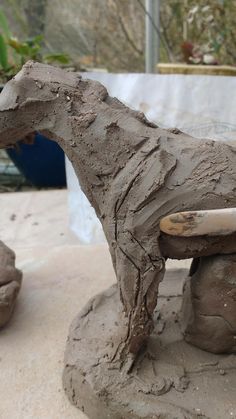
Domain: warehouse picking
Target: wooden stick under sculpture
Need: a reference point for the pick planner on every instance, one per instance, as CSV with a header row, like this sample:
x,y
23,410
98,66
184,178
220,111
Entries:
x,y
132,172
197,223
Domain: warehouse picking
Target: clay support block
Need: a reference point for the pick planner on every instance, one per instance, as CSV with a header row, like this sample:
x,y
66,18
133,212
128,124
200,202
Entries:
x,y
209,305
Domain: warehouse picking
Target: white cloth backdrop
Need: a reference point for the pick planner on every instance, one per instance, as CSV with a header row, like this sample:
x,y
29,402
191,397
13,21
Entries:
x,y
204,106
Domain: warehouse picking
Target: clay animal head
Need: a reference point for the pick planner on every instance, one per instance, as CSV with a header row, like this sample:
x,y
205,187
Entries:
x,y
34,92
26,96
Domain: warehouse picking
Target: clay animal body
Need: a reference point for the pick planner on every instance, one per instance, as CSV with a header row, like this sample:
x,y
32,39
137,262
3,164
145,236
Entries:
x,y
133,173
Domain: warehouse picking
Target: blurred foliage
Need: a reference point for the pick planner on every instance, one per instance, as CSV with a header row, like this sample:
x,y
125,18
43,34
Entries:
x,y
206,27
111,33
107,34
14,52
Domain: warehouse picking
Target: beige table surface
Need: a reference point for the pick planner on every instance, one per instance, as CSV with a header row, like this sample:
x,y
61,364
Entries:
x,y
60,275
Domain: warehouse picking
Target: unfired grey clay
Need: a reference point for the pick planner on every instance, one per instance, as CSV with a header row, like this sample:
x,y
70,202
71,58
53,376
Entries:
x,y
133,173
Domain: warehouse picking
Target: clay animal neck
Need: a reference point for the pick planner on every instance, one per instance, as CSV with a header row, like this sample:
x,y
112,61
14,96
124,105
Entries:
x,y
80,116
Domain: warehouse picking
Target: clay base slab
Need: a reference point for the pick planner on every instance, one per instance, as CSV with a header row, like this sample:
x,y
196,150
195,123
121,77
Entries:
x,y
172,380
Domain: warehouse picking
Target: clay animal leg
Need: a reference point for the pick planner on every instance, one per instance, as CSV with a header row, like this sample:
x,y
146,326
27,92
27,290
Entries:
x,y
10,283
139,264
140,269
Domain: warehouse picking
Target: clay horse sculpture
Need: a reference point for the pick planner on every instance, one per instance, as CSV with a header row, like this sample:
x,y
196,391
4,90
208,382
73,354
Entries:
x,y
147,186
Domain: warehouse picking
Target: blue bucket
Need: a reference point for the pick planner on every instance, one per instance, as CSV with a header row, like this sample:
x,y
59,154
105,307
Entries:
x,y
42,163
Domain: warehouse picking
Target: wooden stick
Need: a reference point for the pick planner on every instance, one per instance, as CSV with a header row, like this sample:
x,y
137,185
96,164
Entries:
x,y
200,223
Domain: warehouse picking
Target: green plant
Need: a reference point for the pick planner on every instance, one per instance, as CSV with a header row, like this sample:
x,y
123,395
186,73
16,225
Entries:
x,y
14,52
